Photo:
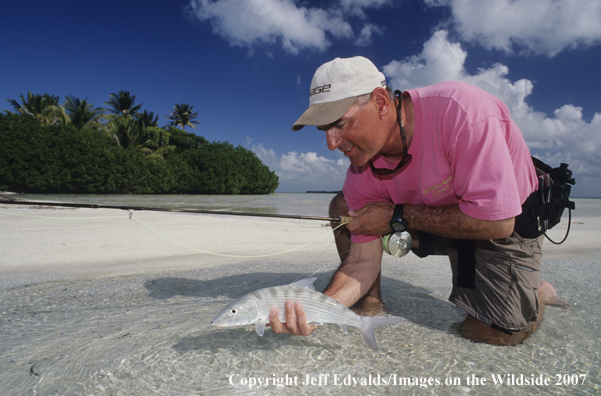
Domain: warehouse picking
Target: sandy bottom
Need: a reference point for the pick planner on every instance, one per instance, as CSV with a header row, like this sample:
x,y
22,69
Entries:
x,y
95,303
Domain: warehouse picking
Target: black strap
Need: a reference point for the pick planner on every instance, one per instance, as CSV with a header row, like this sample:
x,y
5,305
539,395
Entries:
x,y
526,223
426,244
466,262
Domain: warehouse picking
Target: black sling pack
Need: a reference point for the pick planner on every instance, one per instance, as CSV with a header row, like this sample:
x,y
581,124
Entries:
x,y
543,208
541,212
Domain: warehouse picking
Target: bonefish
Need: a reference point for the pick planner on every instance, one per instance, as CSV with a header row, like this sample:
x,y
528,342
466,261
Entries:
x,y
253,308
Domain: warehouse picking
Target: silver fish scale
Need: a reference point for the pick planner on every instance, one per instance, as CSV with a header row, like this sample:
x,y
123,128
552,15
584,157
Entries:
x,y
318,307
253,308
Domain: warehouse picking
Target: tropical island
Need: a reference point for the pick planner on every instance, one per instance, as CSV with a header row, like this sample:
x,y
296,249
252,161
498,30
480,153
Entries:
x,y
79,148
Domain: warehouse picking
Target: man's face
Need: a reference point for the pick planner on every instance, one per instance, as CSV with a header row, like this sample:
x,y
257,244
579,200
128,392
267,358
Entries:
x,y
357,133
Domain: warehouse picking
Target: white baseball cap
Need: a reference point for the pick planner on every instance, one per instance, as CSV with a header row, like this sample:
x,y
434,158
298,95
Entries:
x,y
334,88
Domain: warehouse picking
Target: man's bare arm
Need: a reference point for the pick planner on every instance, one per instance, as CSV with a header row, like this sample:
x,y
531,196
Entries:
x,y
357,273
450,221
447,221
353,279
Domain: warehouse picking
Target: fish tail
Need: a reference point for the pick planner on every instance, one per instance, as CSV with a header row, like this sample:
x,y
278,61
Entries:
x,y
371,323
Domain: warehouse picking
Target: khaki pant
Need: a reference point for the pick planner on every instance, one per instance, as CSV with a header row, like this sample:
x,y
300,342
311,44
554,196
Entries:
x,y
503,276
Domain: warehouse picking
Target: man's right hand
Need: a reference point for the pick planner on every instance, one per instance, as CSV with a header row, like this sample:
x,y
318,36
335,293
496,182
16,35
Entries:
x,y
372,219
296,320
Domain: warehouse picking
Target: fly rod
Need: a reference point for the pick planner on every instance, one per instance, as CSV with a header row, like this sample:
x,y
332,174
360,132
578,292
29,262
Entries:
x,y
10,201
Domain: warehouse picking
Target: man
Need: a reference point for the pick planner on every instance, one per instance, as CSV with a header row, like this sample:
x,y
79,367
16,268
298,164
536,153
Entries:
x,y
446,163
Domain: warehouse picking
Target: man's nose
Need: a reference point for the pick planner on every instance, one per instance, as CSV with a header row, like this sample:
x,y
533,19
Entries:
x,y
333,138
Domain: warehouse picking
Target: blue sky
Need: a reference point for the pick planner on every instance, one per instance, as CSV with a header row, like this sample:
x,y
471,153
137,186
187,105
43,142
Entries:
x,y
246,66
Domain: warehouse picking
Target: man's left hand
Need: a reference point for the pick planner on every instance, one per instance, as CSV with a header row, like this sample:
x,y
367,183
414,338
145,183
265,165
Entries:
x,y
372,219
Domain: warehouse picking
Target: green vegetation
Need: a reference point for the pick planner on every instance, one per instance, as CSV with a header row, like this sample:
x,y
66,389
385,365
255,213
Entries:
x,y
78,148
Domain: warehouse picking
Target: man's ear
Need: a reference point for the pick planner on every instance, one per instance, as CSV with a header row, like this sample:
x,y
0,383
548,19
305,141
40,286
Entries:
x,y
382,101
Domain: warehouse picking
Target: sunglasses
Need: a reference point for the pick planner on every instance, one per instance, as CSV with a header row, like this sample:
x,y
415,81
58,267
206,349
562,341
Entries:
x,y
406,160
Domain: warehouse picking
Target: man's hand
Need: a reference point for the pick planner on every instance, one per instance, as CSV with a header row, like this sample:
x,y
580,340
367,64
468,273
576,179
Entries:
x,y
296,320
372,219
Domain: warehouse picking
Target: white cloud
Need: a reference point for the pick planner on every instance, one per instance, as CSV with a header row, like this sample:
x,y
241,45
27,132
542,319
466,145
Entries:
x,y
299,172
535,26
368,30
439,61
355,7
248,23
566,137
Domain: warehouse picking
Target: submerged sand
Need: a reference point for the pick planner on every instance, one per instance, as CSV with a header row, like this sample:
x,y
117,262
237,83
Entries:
x,y
94,302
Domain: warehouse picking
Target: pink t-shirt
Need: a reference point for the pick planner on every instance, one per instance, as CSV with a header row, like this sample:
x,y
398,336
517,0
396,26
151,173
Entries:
x,y
466,150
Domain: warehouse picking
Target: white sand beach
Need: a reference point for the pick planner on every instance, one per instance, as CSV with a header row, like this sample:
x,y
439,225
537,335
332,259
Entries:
x,y
60,243
94,302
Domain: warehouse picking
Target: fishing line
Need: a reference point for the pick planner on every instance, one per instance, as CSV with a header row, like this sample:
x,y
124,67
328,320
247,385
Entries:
x,y
336,235
130,215
234,255
320,268
239,339
317,270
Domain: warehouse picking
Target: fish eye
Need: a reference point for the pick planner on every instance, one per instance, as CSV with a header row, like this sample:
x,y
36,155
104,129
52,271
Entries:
x,y
233,310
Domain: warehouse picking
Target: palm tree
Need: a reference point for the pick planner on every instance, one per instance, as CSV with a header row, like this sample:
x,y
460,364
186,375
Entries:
x,y
182,115
147,119
122,104
41,107
156,143
125,131
81,113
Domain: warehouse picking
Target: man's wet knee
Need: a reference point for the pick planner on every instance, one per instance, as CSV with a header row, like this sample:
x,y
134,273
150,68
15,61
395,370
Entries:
x,y
338,206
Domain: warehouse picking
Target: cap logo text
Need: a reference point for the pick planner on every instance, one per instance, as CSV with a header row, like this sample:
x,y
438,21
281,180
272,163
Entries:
x,y
318,90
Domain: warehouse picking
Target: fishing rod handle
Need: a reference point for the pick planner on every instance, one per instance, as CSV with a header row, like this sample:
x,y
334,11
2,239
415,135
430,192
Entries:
x,y
346,219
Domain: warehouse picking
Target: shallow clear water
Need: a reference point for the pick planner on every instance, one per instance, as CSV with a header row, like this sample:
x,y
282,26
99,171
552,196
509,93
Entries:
x,y
151,334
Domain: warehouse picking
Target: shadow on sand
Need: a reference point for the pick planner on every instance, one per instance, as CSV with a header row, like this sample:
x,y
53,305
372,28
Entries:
x,y
400,298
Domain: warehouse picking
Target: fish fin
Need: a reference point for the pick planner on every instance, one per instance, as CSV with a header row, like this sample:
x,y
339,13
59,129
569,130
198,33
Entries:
x,y
344,328
316,323
371,323
308,283
260,327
